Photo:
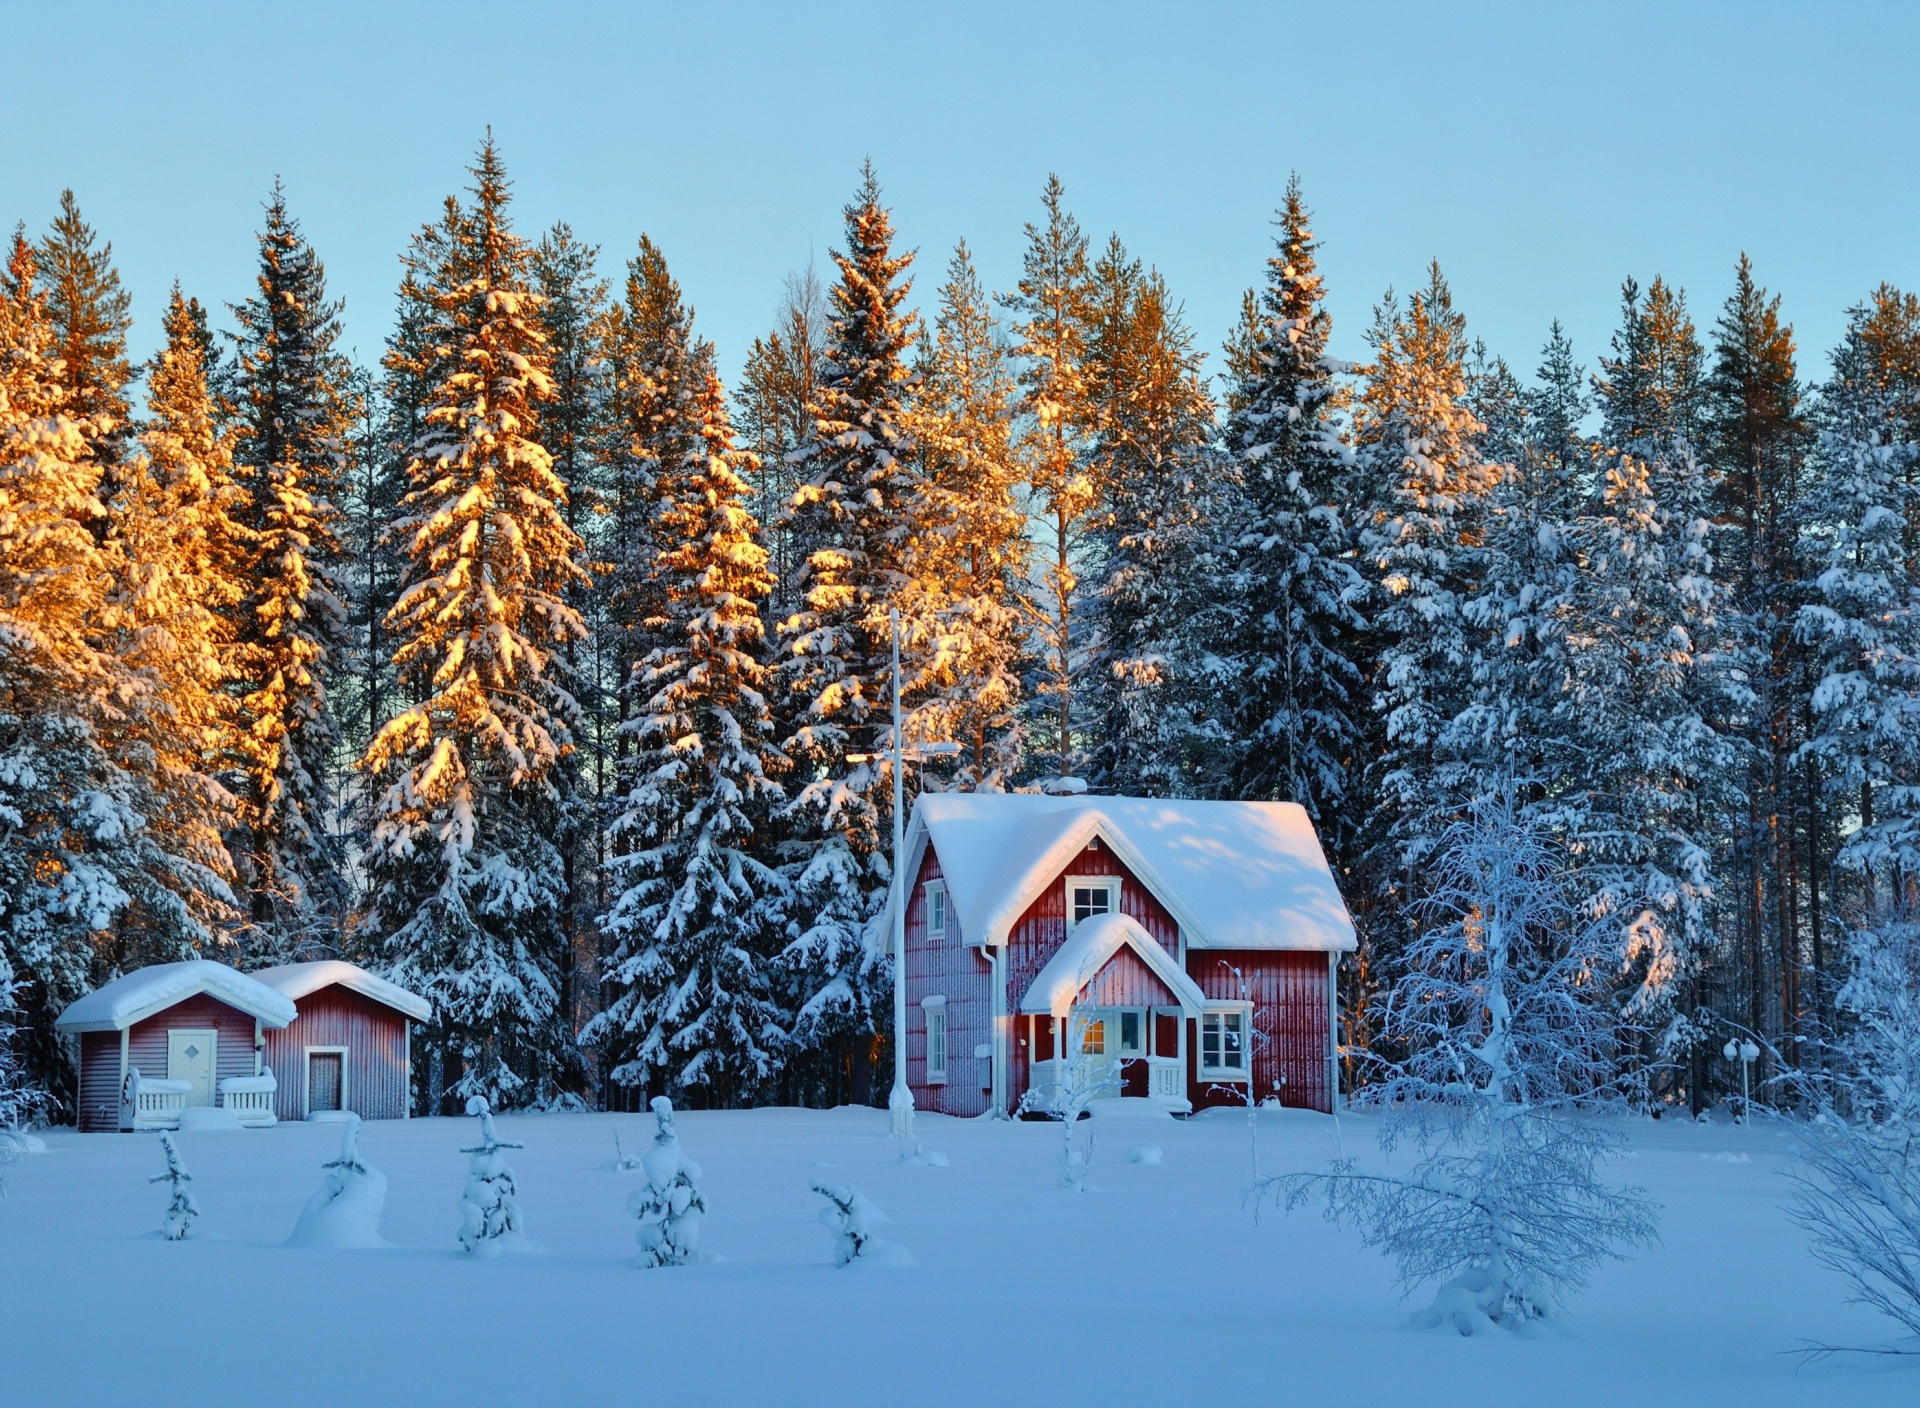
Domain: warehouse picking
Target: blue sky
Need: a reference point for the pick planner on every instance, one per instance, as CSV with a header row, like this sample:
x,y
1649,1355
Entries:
x,y
1541,152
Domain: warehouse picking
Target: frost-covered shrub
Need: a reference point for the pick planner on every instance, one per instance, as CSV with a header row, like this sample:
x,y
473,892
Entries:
x,y
1510,1040
345,1211
850,1218
489,1208
1859,1175
181,1208
669,1206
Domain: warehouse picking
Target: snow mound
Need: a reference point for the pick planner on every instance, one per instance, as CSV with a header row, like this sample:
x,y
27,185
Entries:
x,y
924,1158
209,1119
1725,1158
1144,1154
330,1116
1129,1107
344,1214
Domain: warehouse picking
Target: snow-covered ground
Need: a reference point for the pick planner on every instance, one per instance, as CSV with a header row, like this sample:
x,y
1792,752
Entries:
x,y
1155,1289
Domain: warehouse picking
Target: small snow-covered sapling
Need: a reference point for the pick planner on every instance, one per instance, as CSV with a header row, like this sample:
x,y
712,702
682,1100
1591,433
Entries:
x,y
345,1211
669,1204
489,1208
181,1208
850,1218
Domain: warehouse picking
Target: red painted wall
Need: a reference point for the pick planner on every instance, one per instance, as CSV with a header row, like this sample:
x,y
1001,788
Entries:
x,y
233,1052
1289,995
375,1070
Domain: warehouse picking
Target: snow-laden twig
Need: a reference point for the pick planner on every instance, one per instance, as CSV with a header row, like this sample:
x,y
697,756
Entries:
x,y
1502,1011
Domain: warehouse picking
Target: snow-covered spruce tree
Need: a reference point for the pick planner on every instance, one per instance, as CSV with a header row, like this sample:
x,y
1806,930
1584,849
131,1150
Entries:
x,y
178,559
863,501
971,559
1052,308
1649,772
1858,1179
774,400
1864,620
1145,709
19,1101
670,1206
176,1224
490,1202
1283,627
699,920
1424,489
292,420
74,853
466,878
90,313
1509,1038
850,1218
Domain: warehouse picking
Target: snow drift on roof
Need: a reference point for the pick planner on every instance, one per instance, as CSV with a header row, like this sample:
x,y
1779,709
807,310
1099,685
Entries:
x,y
1235,874
297,980
140,994
1079,960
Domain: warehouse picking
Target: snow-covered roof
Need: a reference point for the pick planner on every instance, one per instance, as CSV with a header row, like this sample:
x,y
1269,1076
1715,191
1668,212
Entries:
x,y
297,980
1079,960
145,991
1235,874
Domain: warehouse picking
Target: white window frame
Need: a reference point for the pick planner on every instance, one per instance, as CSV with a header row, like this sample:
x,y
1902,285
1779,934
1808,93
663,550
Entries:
x,y
1109,883
1228,1073
935,1011
307,1053
936,891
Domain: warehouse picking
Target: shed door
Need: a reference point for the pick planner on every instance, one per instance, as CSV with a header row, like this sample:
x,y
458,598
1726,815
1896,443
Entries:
x,y
190,1057
323,1080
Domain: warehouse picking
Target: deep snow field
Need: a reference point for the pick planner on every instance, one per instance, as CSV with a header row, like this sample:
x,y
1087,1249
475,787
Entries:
x,y
1157,1289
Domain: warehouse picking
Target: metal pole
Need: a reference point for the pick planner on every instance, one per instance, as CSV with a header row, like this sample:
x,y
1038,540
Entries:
x,y
900,1102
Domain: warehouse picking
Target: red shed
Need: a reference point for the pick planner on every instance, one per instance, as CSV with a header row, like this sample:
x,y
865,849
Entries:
x,y
170,1037
350,1048
1189,949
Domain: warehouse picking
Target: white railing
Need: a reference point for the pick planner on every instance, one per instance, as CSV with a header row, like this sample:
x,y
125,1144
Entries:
x,y
1167,1082
156,1103
250,1098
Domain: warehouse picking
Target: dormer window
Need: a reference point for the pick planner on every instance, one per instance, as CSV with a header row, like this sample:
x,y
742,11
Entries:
x,y
1088,895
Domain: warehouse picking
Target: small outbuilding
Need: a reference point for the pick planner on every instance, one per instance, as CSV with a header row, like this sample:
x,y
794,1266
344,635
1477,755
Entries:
x,y
285,1043
350,1047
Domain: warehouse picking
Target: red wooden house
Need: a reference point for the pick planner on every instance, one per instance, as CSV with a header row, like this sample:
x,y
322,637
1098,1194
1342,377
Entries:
x,y
1189,949
285,1043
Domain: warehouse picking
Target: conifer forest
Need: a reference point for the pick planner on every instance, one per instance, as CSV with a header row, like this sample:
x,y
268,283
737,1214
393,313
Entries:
x,y
535,668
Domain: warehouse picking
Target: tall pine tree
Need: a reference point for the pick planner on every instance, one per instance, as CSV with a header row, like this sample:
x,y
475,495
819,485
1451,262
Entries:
x,y
468,890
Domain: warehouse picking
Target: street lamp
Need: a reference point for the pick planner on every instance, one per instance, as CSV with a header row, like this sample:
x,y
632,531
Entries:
x,y
1746,1053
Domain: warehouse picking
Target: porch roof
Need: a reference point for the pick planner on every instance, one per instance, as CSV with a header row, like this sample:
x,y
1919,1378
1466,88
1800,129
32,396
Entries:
x,y
1087,950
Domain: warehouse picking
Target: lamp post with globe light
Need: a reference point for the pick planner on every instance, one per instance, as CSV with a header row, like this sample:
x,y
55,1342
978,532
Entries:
x,y
1746,1053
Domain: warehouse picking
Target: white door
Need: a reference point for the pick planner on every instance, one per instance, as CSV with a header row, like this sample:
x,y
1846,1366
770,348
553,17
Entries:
x,y
190,1057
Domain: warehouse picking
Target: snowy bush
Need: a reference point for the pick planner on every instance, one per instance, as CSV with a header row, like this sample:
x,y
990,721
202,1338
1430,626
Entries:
x,y
345,1212
181,1208
669,1206
1509,1038
1858,1179
489,1208
850,1219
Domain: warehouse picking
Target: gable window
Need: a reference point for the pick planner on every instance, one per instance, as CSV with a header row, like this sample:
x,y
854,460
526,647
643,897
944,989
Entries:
x,y
1088,896
1223,1043
936,910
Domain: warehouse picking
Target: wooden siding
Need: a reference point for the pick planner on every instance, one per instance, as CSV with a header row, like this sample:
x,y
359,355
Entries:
x,y
1289,996
959,974
1043,928
375,1070
233,1051
99,1110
